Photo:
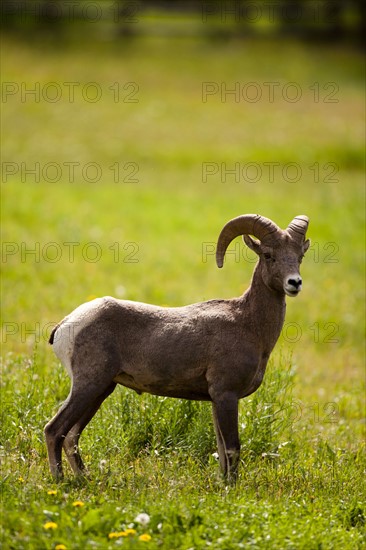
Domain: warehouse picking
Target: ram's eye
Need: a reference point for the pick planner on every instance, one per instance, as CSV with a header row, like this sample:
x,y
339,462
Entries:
x,y
267,256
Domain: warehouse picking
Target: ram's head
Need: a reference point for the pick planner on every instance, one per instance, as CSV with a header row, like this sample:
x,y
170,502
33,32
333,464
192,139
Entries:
x,y
280,251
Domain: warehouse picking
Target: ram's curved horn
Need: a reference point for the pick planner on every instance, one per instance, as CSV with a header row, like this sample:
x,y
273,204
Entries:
x,y
248,224
298,227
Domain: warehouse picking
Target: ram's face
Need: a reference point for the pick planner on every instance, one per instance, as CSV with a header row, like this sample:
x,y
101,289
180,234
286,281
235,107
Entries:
x,y
280,263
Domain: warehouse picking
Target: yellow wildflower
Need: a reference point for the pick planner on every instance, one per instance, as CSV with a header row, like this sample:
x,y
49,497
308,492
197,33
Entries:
x,y
117,534
50,525
21,479
60,547
145,537
52,492
130,532
78,504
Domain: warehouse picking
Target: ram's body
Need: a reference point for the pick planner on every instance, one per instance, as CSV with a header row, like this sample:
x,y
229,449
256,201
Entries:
x,y
175,352
211,351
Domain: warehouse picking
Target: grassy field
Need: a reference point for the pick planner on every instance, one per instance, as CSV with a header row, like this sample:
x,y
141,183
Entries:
x,y
118,184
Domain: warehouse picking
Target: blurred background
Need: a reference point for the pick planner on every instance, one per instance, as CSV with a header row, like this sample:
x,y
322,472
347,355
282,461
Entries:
x,y
335,21
132,131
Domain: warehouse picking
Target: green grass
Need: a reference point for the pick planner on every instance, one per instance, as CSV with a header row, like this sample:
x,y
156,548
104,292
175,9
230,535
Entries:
x,y
301,477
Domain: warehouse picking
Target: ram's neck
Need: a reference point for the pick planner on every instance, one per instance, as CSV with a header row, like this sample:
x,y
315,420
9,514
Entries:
x,y
266,309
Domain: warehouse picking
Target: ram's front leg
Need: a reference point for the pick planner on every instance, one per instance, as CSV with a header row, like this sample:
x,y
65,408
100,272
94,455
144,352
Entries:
x,y
225,415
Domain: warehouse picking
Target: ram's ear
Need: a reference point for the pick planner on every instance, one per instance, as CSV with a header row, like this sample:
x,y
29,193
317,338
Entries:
x,y
305,246
252,244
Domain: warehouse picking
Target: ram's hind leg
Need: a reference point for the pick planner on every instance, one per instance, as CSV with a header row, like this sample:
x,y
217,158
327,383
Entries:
x,y
57,428
71,441
76,406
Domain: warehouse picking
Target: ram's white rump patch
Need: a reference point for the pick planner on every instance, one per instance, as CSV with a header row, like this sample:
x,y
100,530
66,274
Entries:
x,y
70,326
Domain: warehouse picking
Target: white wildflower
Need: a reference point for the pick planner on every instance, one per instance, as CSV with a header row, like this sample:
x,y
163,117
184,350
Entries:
x,y
142,519
102,464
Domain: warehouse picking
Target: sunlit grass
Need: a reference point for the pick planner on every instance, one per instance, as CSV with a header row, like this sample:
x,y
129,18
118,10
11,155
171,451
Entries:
x,y
65,242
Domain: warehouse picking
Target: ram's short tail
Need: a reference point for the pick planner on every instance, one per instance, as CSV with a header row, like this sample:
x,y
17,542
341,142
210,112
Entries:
x,y
52,337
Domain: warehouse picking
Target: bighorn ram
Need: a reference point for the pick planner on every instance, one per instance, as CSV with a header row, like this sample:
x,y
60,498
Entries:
x,y
211,351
